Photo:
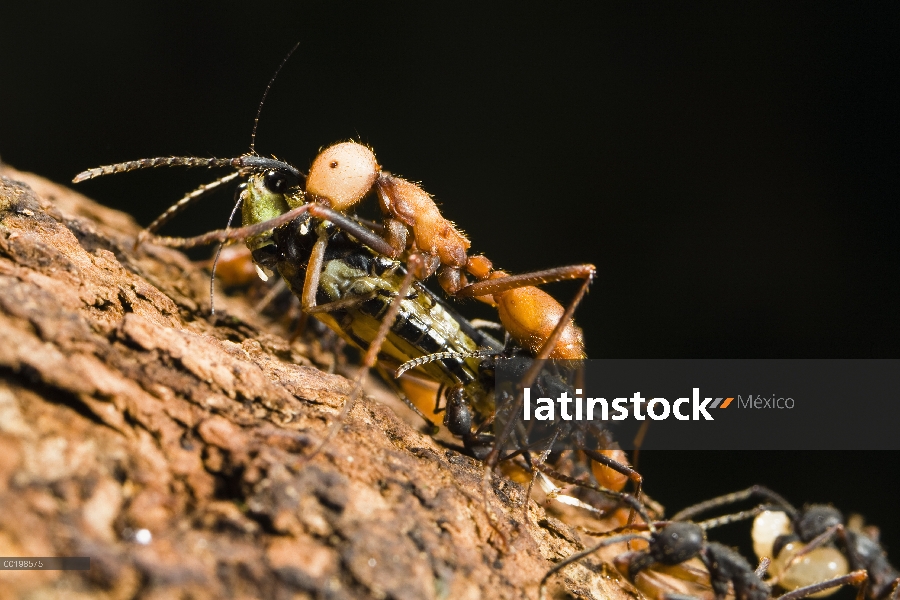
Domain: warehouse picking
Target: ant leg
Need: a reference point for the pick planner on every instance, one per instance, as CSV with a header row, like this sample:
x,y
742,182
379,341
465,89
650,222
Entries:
x,y
607,458
348,225
542,593
857,578
225,236
612,464
230,236
529,464
510,282
757,491
628,471
375,226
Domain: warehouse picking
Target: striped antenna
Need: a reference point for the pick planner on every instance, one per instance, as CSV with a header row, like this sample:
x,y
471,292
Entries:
x,y
160,161
257,163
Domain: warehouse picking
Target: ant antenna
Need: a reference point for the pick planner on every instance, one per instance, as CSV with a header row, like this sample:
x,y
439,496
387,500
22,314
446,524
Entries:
x,y
212,277
266,93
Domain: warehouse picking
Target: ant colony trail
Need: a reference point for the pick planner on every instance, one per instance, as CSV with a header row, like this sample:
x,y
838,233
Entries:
x,y
367,282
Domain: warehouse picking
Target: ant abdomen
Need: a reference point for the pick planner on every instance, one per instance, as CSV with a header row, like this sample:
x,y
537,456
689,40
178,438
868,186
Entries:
x,y
530,315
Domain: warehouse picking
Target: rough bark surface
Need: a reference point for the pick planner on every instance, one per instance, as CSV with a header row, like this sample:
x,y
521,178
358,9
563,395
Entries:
x,y
124,408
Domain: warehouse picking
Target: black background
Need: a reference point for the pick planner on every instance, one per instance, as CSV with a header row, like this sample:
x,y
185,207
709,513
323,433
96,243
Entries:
x,y
731,170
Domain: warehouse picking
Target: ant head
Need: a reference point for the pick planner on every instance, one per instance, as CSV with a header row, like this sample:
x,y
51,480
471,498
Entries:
x,y
343,174
815,520
676,543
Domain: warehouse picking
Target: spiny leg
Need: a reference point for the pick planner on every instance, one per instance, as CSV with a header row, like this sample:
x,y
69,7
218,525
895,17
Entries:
x,y
239,234
422,360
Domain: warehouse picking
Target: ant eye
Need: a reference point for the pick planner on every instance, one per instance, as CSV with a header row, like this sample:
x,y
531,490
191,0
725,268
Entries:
x,y
276,182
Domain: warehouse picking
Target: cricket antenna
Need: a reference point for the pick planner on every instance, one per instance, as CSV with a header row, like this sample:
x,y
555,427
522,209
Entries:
x,y
266,93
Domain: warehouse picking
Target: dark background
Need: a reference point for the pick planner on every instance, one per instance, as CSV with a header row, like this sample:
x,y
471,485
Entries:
x,y
731,170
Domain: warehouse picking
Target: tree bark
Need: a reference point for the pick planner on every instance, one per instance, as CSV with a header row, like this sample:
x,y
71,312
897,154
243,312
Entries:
x,y
168,446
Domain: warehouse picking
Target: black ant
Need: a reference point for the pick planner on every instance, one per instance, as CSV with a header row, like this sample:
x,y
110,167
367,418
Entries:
x,y
676,542
814,527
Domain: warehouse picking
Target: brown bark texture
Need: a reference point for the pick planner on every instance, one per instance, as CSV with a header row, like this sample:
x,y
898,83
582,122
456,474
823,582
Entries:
x,y
126,410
